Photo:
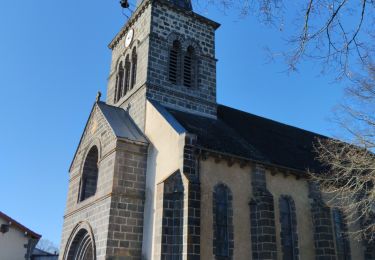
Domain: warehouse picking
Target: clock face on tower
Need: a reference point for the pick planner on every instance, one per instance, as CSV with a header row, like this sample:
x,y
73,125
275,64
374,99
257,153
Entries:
x,y
129,38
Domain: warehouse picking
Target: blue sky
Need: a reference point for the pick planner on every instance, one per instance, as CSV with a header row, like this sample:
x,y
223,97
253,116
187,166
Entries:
x,y
53,60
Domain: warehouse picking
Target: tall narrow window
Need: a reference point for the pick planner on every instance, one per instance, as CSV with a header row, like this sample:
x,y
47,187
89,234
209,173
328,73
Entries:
x,y
173,215
288,228
89,175
189,67
127,75
174,62
342,243
223,234
119,82
134,68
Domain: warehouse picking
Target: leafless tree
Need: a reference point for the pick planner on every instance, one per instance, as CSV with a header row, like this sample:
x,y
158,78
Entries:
x,y
339,34
47,246
349,175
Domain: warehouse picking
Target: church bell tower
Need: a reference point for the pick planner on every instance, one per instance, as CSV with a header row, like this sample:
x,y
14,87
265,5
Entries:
x,y
166,53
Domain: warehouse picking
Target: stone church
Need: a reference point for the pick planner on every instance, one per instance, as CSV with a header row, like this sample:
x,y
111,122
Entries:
x,y
162,171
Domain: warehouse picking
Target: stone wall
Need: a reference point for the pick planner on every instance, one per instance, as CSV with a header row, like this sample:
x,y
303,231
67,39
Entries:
x,y
264,234
115,211
125,231
94,210
135,99
136,106
262,216
322,225
173,218
193,200
140,22
170,23
156,23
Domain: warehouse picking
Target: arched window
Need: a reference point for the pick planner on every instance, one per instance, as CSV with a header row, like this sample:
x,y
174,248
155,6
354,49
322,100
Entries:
x,y
189,67
174,62
89,175
223,229
81,245
127,75
342,243
134,68
173,216
288,228
119,82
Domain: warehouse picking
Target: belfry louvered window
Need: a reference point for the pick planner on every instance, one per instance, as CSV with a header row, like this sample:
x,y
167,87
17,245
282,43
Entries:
x,y
342,243
119,82
134,68
174,62
189,67
127,75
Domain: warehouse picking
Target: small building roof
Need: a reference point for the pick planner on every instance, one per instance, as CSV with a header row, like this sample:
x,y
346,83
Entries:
x,y
40,252
19,226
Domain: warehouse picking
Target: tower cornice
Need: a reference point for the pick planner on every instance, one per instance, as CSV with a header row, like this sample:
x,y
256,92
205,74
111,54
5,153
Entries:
x,y
142,7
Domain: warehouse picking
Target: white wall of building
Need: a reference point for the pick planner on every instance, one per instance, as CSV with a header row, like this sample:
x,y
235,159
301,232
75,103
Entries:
x,y
164,158
12,244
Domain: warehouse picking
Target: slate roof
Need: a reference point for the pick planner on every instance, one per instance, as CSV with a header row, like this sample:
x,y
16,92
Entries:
x,y
216,135
246,135
39,254
121,123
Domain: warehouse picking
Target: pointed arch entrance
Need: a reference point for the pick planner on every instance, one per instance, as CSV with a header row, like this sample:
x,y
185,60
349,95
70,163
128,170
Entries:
x,y
81,244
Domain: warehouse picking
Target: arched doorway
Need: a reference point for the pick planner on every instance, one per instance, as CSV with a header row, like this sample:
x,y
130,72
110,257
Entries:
x,y
81,245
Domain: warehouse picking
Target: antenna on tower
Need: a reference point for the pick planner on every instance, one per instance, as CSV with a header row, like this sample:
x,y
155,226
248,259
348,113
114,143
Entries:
x,y
124,4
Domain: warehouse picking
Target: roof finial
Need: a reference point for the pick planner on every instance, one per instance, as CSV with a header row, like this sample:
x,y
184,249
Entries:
x,y
98,96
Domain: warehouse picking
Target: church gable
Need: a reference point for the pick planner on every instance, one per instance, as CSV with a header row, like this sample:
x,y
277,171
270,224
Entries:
x,y
96,132
105,125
